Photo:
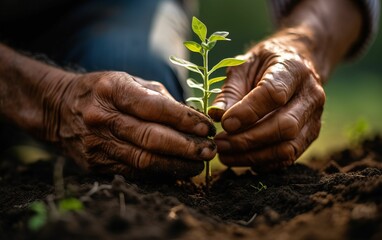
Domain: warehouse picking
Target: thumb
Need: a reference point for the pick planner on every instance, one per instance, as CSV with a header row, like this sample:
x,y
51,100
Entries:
x,y
239,83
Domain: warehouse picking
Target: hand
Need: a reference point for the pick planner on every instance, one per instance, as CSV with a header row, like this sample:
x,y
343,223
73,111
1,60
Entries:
x,y
272,105
114,123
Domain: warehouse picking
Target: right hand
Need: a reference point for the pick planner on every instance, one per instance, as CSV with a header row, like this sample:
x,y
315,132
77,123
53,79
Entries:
x,y
111,122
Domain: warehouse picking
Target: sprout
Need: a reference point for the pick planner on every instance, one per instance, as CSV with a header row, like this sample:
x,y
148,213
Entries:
x,y
203,48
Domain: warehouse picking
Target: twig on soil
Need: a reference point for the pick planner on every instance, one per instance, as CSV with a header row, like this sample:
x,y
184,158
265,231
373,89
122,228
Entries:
x,y
52,206
246,223
122,204
173,211
58,178
260,188
96,188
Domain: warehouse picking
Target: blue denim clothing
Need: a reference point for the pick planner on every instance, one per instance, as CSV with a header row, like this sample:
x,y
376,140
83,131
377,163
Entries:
x,y
116,37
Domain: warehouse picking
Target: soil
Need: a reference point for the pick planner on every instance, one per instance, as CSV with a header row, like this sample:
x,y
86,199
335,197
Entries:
x,y
336,197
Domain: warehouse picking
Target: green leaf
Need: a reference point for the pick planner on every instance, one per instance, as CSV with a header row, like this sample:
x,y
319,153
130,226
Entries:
x,y
209,46
184,63
227,62
70,204
215,90
38,220
219,36
193,46
38,207
192,83
215,80
199,28
196,99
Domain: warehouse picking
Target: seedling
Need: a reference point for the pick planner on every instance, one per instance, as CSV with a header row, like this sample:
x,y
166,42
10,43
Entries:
x,y
50,210
260,187
203,48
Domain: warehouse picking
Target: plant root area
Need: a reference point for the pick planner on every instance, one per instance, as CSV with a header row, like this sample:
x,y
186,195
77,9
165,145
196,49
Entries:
x,y
336,197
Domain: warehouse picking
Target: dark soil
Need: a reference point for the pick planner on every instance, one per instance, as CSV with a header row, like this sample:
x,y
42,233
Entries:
x,y
335,198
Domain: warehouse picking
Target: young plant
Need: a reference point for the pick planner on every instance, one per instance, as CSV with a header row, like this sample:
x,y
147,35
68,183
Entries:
x,y
203,48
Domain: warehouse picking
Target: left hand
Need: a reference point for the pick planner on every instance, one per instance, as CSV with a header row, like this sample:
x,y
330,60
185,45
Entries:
x,y
272,105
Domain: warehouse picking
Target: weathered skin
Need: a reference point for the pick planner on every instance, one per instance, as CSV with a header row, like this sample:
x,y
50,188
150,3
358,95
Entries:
x,y
273,103
106,121
113,122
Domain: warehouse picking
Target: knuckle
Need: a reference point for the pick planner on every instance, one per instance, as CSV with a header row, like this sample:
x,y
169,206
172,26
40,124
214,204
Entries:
x,y
157,86
297,68
254,112
319,94
276,89
289,126
116,125
104,84
92,116
141,159
288,152
148,137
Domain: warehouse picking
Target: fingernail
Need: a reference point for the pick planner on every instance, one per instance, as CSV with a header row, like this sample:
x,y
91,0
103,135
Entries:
x,y
201,129
231,124
220,105
222,145
208,153
217,111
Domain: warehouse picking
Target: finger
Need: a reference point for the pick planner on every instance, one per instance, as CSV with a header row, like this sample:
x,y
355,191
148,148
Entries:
x,y
161,139
150,136
274,90
277,156
237,85
155,86
152,106
281,125
111,156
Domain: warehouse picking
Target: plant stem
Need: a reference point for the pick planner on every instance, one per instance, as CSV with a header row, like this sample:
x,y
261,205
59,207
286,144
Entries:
x,y
205,108
205,85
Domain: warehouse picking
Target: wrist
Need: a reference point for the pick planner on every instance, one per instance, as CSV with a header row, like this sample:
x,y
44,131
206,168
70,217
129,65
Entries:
x,y
31,92
331,27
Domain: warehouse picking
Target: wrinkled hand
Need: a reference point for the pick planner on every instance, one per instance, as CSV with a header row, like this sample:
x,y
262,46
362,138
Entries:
x,y
111,122
273,105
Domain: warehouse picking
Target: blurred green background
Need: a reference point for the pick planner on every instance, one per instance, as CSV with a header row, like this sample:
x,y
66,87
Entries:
x,y
354,91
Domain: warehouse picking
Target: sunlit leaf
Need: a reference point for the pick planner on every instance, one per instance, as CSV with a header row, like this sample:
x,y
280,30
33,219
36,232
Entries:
x,y
184,63
38,220
219,36
199,28
211,45
193,46
197,100
215,90
192,83
217,79
70,204
227,62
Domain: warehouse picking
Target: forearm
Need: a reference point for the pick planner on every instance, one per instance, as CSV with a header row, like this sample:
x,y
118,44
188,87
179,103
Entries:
x,y
28,96
330,29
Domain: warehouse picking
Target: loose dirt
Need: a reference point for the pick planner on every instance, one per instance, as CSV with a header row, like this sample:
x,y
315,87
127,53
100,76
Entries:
x,y
339,197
